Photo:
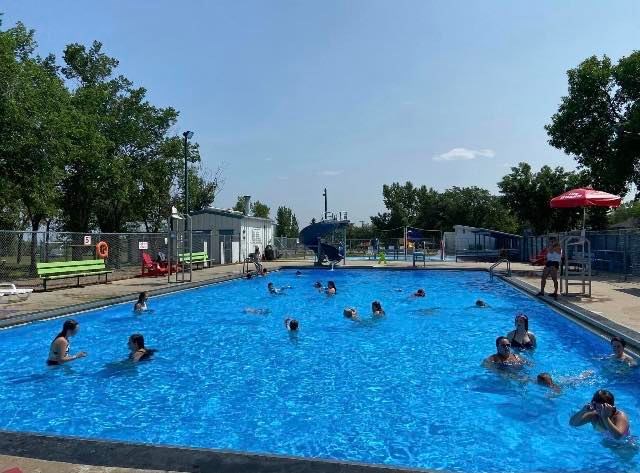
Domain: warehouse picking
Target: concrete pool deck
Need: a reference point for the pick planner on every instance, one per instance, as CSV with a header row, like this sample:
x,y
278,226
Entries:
x,y
612,299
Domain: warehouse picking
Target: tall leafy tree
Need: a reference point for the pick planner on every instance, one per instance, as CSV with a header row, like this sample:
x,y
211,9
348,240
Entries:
x,y
286,223
527,195
258,209
33,124
598,122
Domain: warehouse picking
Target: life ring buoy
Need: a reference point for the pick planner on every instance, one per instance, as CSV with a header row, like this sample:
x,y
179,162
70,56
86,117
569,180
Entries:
x,y
102,250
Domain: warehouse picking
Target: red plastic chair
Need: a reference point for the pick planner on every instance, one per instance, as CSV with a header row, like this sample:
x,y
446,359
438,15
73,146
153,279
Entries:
x,y
152,268
540,259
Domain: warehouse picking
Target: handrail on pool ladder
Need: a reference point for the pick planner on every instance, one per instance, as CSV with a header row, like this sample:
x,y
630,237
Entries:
x,y
497,263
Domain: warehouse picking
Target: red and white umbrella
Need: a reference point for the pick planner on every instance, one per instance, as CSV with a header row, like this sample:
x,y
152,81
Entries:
x,y
585,197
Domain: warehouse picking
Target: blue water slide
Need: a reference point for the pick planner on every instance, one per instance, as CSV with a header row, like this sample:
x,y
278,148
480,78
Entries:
x,y
309,237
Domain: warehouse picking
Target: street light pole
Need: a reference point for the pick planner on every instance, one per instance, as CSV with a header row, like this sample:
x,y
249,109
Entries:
x,y
187,136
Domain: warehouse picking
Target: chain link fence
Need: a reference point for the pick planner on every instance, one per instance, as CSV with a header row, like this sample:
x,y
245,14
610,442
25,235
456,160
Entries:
x,y
291,248
615,252
21,251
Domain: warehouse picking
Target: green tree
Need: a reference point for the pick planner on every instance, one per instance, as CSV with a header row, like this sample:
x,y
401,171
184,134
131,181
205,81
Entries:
x,y
286,223
598,122
258,209
629,210
240,205
475,207
527,195
33,124
402,205
127,167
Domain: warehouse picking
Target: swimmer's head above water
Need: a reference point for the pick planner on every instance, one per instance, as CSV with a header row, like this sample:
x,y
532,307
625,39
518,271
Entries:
x,y
291,324
350,313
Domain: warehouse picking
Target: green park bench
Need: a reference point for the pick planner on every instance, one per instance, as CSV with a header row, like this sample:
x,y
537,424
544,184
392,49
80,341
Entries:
x,y
200,257
72,269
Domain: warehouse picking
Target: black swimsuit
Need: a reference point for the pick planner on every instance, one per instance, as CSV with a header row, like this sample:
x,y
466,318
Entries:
x,y
524,346
56,362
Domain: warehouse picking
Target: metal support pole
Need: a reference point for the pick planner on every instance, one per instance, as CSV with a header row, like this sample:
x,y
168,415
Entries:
x,y
405,243
186,176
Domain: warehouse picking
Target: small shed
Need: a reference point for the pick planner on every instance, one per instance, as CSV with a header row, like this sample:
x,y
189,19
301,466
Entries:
x,y
231,235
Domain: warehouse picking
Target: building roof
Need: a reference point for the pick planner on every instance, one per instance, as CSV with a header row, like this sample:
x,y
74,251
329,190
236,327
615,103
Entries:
x,y
488,232
228,213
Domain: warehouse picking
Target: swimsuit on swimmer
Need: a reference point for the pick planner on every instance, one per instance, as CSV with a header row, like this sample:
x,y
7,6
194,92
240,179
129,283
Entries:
x,y
51,362
524,346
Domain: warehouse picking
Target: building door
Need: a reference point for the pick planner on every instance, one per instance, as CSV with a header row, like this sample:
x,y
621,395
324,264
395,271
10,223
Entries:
x,y
226,237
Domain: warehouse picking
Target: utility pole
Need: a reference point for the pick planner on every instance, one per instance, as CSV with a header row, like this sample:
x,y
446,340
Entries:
x,y
362,223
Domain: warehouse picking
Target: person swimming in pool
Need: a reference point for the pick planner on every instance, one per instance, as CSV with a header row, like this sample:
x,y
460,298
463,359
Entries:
x,y
376,308
141,304
545,379
272,289
318,285
618,345
419,293
59,350
331,288
503,356
276,290
603,416
351,313
257,311
137,350
521,337
291,324
298,273
481,304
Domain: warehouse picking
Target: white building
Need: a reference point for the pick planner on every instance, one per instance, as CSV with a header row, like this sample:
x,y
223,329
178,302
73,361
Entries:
x,y
231,235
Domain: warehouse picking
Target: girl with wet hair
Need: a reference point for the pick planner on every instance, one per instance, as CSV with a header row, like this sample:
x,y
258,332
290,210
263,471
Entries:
x,y
138,352
59,350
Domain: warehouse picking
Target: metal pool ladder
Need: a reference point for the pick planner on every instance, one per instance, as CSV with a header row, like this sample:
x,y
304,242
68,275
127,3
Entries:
x,y
498,263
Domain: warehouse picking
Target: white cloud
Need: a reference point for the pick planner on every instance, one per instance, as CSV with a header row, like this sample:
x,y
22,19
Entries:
x,y
464,154
282,178
331,173
268,159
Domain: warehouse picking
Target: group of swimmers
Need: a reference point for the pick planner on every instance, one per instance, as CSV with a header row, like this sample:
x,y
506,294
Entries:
x,y
61,344
601,412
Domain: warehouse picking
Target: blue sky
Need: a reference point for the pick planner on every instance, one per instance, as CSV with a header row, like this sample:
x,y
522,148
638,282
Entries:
x,y
295,96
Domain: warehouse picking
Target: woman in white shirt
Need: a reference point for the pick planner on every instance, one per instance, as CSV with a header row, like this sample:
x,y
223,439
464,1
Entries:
x,y
554,257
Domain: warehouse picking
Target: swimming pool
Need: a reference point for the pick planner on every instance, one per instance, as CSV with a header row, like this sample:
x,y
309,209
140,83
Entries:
x,y
406,390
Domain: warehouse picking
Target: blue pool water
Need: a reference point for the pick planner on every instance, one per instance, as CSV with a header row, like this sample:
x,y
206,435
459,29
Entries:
x,y
405,390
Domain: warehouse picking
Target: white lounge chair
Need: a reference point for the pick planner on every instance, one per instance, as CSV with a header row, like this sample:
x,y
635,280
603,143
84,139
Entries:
x,y
8,291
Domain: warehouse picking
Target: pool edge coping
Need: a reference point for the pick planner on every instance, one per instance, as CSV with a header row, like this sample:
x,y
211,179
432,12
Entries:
x,y
134,455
